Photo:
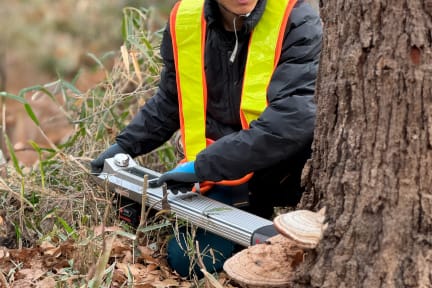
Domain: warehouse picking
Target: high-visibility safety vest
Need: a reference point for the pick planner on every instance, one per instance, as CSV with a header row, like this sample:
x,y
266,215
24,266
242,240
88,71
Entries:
x,y
188,32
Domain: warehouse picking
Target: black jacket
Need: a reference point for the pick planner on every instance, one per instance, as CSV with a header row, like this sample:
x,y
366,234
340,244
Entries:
x,y
284,131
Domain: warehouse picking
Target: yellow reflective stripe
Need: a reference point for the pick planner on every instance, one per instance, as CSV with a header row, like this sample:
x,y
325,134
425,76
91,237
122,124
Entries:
x,y
260,63
190,73
188,33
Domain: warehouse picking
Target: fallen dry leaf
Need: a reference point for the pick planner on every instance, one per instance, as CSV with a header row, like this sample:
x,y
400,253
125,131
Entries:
x,y
119,276
119,247
146,254
136,270
29,274
50,250
147,271
48,282
22,283
166,283
4,253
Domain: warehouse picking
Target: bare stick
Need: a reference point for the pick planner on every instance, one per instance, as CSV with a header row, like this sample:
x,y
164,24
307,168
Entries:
x,y
3,281
143,203
210,279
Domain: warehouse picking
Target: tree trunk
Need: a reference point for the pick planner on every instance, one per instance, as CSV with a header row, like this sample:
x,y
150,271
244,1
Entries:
x,y
372,159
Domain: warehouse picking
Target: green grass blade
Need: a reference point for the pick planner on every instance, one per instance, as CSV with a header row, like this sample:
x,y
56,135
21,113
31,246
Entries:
x,y
13,155
13,97
31,114
37,148
68,228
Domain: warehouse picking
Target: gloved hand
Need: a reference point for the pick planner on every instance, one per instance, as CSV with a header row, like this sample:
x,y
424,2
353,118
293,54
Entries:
x,y
98,163
181,178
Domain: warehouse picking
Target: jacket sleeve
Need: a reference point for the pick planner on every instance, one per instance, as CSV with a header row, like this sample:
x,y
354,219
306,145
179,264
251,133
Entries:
x,y
286,126
158,119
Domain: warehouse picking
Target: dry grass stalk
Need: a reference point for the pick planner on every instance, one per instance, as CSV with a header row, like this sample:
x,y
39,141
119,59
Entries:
x,y
210,280
102,262
143,217
3,280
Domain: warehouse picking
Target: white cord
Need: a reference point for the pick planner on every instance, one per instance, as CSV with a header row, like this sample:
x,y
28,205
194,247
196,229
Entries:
x,y
234,53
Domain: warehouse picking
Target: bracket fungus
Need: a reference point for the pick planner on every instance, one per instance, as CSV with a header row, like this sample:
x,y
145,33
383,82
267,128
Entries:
x,y
273,263
304,227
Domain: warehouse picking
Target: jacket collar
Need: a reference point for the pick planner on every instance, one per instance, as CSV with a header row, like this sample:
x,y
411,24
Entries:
x,y
213,15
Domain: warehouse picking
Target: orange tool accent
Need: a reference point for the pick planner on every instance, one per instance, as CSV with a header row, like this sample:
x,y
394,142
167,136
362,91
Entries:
x,y
207,185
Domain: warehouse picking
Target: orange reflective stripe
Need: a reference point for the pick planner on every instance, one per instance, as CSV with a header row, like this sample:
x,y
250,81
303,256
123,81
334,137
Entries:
x,y
263,55
188,34
288,10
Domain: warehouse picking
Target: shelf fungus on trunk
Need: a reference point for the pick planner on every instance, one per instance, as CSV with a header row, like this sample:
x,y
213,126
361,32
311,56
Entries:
x,y
304,227
273,263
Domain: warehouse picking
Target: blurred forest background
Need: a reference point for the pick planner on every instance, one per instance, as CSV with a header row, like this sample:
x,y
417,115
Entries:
x,y
41,40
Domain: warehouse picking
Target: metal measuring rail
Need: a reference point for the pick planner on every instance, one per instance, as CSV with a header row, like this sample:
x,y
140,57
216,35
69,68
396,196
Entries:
x,y
125,177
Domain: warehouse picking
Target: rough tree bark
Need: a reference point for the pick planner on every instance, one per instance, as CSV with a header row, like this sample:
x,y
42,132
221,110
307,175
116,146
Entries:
x,y
372,159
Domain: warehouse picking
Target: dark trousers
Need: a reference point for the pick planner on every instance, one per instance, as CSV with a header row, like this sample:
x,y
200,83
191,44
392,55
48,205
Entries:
x,y
177,248
277,186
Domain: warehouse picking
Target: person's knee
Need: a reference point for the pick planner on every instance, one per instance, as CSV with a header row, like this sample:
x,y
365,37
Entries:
x,y
214,250
178,258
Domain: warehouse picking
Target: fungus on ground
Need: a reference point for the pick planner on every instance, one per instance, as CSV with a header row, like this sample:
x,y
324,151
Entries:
x,y
273,263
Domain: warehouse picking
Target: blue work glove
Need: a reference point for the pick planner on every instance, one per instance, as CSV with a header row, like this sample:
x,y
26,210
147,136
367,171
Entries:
x,y
181,178
97,164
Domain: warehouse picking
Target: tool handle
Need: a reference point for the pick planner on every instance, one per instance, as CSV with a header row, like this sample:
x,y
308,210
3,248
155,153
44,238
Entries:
x,y
261,234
